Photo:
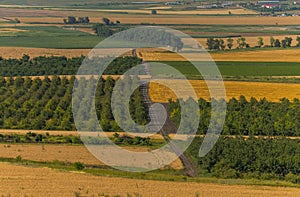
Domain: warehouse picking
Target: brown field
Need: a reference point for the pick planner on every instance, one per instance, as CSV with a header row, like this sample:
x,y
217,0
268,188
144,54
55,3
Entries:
x,y
259,90
278,55
21,181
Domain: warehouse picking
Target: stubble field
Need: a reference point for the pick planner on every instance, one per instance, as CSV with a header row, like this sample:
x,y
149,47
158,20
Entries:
x,y
62,153
258,90
21,181
276,55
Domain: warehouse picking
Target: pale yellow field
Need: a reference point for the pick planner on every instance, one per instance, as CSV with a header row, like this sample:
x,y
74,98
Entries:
x,y
64,153
208,20
189,12
259,90
278,55
21,181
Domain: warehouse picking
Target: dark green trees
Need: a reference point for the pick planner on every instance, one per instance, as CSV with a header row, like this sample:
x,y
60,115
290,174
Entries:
x,y
253,117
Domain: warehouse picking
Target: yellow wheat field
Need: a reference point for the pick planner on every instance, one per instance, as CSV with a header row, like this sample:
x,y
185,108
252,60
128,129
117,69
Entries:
x,y
259,90
18,52
27,181
278,55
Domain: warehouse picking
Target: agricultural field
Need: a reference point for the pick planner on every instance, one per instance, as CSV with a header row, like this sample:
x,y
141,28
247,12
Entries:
x,y
62,153
47,37
42,45
259,90
190,12
26,180
18,52
245,55
238,69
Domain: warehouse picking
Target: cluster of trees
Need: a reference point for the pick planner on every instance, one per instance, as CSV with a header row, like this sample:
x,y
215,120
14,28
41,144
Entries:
x,y
107,28
73,20
38,104
127,140
253,117
32,137
286,42
219,44
260,158
108,22
153,36
40,66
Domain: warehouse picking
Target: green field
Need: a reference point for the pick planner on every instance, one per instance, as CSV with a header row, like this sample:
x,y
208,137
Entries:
x,y
197,31
48,37
239,69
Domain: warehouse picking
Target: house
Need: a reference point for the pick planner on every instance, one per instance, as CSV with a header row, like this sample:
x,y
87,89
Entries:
x,y
268,4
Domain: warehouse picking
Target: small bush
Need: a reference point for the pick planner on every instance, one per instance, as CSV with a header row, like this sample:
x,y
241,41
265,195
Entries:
x,y
19,158
292,178
79,166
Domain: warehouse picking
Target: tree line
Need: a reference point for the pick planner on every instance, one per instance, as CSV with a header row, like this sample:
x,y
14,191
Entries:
x,y
79,20
45,104
259,158
40,66
253,117
219,43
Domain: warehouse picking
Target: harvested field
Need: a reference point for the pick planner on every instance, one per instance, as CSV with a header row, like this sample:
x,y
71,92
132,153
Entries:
x,y
289,55
56,16
21,180
189,12
259,90
18,52
64,153
276,55
211,20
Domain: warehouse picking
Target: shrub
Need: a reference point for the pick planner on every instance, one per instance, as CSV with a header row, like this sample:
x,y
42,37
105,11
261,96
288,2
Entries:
x,y
79,166
292,178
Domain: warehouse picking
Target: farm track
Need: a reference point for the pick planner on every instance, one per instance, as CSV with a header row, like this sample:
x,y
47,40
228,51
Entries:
x,y
168,128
